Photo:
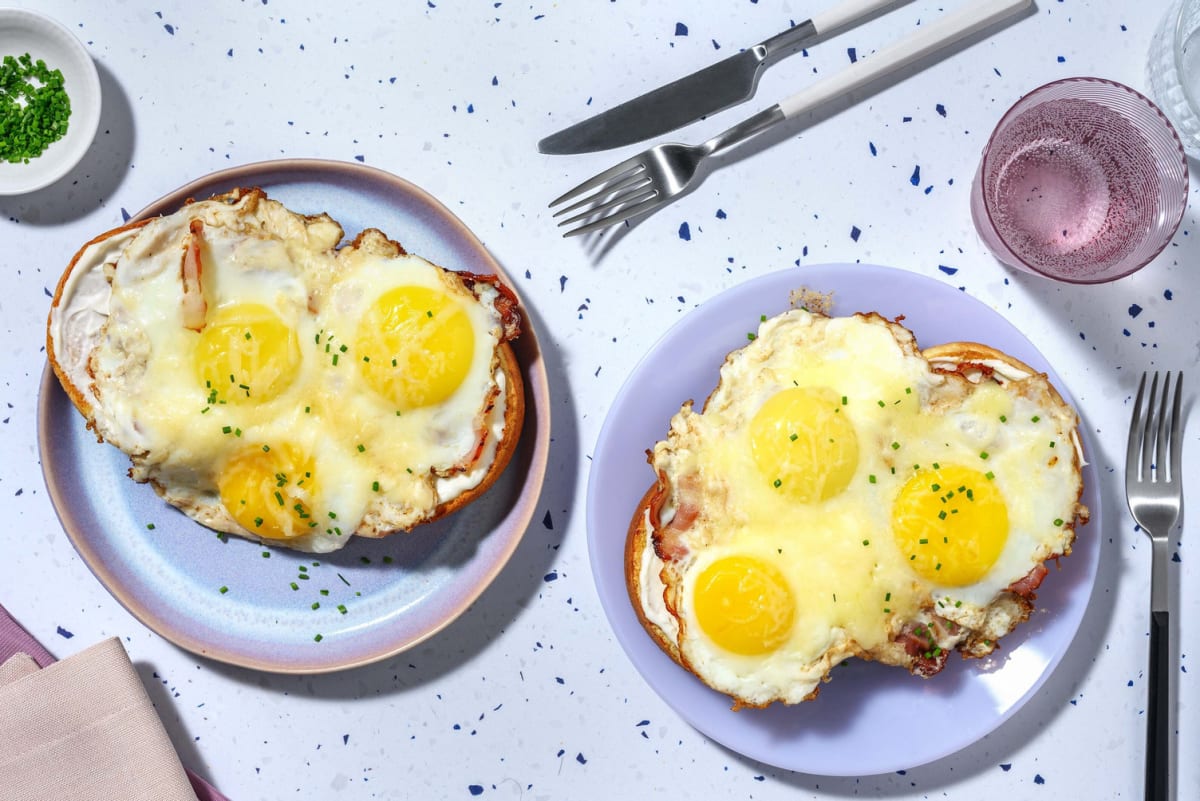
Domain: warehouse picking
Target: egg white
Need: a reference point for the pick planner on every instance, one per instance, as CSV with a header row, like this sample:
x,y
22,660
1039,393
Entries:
x,y
853,585
379,471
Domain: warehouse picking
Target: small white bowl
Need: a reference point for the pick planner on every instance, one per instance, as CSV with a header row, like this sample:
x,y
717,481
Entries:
x,y
21,32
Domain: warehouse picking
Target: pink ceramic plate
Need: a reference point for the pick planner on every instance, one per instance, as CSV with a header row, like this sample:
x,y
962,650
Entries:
x,y
395,592
870,718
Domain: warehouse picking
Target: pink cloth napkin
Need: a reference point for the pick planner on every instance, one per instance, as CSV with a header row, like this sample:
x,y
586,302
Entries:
x,y
83,728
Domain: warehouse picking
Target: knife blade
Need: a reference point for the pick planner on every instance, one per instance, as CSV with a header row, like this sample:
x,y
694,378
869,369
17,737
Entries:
x,y
707,91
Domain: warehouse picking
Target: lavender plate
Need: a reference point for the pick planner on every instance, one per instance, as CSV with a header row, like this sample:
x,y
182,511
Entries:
x,y
276,610
862,723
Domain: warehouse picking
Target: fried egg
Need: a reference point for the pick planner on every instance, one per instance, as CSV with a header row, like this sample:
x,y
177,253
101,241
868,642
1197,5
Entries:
x,y
272,384
841,495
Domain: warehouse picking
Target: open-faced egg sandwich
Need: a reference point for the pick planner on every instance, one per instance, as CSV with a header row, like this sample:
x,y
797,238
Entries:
x,y
277,385
843,494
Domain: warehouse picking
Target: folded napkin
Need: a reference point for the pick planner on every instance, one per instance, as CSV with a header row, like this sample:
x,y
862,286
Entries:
x,y
83,728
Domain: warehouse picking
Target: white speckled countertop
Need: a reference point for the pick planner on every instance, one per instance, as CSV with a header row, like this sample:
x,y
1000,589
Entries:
x,y
528,694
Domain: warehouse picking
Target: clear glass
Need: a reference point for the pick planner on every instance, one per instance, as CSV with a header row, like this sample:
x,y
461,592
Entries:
x,y
1173,70
1084,180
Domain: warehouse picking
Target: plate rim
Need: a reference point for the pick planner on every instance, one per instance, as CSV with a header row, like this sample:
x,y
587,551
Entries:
x,y
537,417
598,552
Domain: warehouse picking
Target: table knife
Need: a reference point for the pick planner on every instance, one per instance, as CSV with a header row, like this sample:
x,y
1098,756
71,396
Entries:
x,y
724,84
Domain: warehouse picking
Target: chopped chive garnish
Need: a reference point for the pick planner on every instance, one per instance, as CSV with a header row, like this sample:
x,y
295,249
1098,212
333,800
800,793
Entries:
x,y
1035,418
751,336
895,446
375,486
318,638
150,527
795,437
342,608
361,447
778,482
983,454
1058,521
871,478
224,589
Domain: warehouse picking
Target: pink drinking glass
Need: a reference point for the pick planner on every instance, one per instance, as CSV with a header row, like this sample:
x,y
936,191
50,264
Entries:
x,y
1084,180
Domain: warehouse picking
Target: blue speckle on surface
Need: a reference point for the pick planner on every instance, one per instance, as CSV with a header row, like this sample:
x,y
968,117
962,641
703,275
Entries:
x,y
1175,557
360,158
66,635
551,576
475,789
1062,59
495,81
720,214
1006,766
345,739
548,521
915,179
169,28
685,232
1135,310
852,53
1037,779
580,759
855,233
871,145
562,283
125,216
947,270
680,29
941,110
1166,292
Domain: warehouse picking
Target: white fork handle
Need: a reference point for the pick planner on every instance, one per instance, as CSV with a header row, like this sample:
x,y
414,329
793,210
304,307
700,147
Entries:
x,y
846,12
945,31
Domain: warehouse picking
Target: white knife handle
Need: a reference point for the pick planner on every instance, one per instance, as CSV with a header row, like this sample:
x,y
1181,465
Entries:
x,y
846,12
947,30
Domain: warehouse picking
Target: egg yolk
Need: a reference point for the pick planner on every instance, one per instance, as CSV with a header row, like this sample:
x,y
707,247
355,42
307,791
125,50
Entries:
x,y
269,491
416,346
951,523
804,445
245,354
744,605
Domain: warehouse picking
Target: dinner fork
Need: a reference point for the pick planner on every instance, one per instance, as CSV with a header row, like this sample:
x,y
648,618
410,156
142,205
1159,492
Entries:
x,y
651,179
1154,488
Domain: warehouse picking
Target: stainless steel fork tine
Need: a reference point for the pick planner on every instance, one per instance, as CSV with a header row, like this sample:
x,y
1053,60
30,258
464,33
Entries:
x,y
615,203
634,181
597,181
1176,430
621,216
1133,451
1148,432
